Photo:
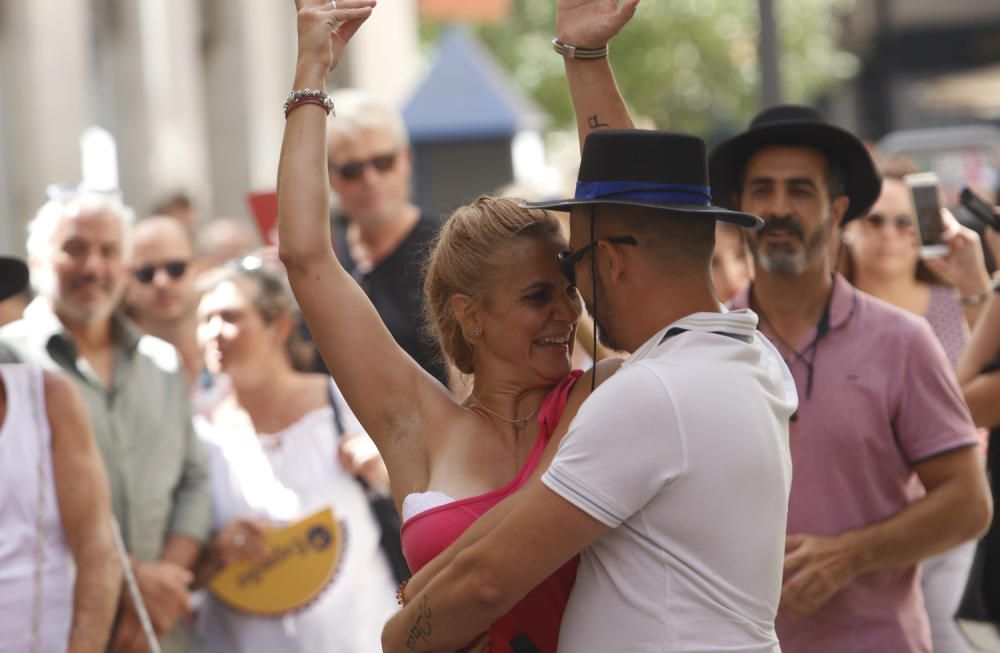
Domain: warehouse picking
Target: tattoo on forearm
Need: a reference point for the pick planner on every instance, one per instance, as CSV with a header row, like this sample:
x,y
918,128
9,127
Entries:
x,y
421,628
595,123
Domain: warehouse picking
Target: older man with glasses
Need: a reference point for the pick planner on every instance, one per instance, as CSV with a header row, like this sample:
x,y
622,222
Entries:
x,y
380,236
79,248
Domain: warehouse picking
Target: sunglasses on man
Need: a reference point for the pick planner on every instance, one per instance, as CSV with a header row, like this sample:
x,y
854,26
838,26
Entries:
x,y
353,170
569,259
174,269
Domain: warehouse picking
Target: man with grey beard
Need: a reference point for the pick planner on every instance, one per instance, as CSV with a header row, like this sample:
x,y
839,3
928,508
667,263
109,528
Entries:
x,y
79,252
885,468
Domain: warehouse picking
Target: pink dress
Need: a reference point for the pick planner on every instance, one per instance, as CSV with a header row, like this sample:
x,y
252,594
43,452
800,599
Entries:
x,y
425,535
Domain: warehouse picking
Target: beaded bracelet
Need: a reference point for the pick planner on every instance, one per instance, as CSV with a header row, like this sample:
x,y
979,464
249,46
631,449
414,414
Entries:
x,y
308,96
400,595
306,100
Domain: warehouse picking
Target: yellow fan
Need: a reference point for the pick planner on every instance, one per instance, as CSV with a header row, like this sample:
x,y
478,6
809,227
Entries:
x,y
302,558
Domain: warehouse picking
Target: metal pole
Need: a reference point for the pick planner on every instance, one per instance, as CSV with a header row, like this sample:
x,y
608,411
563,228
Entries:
x,y
768,49
133,589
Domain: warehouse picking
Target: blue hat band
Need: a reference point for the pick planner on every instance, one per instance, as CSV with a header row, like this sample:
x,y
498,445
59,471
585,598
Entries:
x,y
644,191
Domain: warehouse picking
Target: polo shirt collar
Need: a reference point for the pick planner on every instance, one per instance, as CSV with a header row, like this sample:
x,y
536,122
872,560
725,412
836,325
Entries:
x,y
741,323
46,327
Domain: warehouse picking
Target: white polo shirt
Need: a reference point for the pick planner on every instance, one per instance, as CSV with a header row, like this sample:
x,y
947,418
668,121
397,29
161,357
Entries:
x,y
684,452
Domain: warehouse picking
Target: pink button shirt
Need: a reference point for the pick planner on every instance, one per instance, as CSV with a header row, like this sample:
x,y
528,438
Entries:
x,y
883,399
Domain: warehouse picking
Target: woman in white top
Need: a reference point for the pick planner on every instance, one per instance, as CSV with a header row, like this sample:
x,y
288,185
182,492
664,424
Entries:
x,y
275,457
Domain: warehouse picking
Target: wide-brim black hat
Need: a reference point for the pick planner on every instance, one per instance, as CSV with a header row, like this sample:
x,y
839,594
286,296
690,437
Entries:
x,y
791,124
652,169
13,276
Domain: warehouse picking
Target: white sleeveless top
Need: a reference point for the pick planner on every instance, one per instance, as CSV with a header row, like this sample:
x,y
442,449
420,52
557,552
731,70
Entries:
x,y
282,477
26,462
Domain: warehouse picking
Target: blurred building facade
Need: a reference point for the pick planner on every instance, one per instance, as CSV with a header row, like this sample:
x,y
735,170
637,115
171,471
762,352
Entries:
x,y
169,95
924,63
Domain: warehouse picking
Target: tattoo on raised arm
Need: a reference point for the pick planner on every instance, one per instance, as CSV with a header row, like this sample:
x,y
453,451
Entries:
x,y
421,628
595,123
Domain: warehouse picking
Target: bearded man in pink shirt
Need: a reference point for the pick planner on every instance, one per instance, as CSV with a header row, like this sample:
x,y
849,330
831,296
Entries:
x,y
885,468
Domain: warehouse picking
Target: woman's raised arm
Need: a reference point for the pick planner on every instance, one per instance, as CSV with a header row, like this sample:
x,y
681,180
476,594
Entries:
x,y
387,390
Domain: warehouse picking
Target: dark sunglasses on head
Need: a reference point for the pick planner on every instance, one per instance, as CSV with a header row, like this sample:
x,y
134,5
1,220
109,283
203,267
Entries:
x,y
877,221
356,169
175,270
568,259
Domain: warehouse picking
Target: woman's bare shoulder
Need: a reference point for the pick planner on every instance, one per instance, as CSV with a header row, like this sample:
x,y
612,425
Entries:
x,y
604,369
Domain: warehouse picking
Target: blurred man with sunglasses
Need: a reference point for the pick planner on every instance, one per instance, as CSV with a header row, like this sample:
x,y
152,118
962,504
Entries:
x,y
382,238
79,251
161,295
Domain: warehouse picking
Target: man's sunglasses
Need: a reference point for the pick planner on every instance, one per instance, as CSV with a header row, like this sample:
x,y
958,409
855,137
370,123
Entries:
x,y
174,269
356,169
568,259
877,221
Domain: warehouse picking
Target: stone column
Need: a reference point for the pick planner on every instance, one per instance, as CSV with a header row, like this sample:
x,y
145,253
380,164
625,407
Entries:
x,y
384,56
45,74
152,99
249,63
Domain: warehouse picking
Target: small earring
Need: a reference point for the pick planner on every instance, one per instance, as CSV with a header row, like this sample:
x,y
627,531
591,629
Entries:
x,y
476,332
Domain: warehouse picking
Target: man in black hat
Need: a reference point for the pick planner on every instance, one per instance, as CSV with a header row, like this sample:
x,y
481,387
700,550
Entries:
x,y
56,507
676,507
879,413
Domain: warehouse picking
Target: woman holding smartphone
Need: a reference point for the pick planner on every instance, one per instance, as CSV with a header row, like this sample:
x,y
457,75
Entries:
x,y
882,258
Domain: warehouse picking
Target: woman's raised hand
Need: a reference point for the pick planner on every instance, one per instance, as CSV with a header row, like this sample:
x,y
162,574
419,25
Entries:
x,y
325,28
964,266
592,23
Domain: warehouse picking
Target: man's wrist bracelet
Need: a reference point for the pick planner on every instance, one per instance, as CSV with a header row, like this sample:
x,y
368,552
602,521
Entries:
x,y
573,52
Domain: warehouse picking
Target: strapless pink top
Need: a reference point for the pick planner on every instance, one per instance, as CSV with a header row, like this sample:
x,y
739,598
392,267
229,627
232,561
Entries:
x,y
425,535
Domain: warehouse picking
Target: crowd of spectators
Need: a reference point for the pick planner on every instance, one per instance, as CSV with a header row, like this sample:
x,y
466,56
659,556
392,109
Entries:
x,y
165,410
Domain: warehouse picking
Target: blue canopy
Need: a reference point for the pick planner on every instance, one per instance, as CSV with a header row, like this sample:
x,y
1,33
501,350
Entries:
x,y
467,96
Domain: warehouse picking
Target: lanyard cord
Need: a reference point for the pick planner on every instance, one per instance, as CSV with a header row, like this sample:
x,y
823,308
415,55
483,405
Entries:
x,y
593,283
822,328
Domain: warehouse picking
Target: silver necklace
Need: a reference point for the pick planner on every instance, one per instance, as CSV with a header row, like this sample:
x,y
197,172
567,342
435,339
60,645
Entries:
x,y
518,422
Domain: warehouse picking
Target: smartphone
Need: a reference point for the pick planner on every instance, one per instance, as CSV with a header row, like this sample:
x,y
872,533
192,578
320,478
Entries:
x,y
925,194
980,208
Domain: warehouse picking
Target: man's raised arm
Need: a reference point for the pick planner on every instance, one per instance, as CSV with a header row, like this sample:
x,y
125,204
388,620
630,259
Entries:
x,y
590,25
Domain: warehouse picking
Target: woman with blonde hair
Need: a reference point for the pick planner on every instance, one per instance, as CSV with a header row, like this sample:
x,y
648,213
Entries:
x,y
500,307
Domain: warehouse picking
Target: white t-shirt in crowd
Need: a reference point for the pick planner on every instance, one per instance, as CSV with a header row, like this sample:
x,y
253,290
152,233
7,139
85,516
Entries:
x,y
684,453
